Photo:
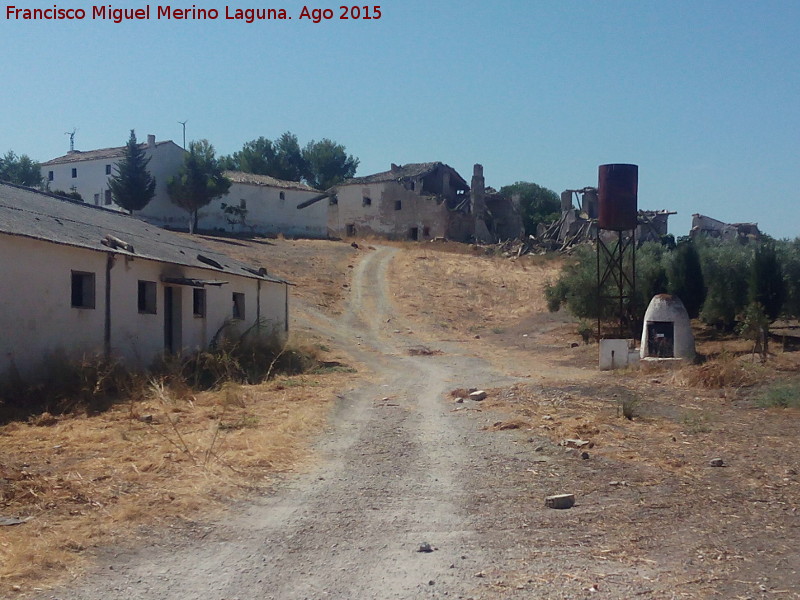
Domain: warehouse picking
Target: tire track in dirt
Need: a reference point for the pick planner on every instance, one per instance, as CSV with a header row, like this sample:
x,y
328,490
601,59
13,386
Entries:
x,y
391,476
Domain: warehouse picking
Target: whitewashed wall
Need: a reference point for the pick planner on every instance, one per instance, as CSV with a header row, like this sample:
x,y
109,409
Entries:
x,y
91,182
267,213
37,316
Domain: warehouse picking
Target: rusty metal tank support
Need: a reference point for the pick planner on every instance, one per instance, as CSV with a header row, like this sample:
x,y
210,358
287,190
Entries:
x,y
616,258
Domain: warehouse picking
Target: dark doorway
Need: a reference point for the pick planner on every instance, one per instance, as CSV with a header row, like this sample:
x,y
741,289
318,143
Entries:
x,y
172,320
661,339
350,230
413,233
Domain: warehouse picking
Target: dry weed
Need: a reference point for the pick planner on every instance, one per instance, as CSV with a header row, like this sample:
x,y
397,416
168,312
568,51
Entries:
x,y
450,291
724,371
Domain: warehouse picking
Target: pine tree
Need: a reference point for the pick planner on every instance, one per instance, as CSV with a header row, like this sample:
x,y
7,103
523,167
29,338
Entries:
x,y
132,187
199,182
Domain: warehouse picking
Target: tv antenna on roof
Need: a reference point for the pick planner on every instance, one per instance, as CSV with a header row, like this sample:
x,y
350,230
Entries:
x,y
71,135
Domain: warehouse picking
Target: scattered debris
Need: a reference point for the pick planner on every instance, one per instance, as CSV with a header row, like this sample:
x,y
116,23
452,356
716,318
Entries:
x,y
477,395
425,547
423,351
9,521
560,501
574,443
716,462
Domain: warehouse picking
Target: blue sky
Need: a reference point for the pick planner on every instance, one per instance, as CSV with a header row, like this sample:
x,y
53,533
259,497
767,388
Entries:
x,y
703,96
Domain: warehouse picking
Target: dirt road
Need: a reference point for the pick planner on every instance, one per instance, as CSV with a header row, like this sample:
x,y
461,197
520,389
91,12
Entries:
x,y
398,470
402,467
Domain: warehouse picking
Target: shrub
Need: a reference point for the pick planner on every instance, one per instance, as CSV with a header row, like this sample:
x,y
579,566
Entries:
x,y
782,395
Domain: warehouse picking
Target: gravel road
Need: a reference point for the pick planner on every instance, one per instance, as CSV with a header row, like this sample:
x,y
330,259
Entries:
x,y
399,472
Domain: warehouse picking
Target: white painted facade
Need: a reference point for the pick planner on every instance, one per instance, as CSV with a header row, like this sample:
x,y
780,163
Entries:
x,y
52,247
88,174
271,206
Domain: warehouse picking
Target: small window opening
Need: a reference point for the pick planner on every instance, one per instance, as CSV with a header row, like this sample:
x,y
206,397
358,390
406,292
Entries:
x,y
82,289
199,303
238,305
426,232
366,201
49,176
350,230
398,204
74,173
147,297
242,203
108,169
283,195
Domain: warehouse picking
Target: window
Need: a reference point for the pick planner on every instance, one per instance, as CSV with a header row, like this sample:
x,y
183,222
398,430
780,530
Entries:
x,y
398,204
283,195
350,230
238,305
108,169
82,289
413,233
49,176
242,203
426,232
74,173
366,201
108,197
147,297
199,303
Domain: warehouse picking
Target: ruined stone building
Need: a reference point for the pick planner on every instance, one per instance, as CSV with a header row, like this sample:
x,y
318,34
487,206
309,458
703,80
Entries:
x,y
577,225
706,226
420,201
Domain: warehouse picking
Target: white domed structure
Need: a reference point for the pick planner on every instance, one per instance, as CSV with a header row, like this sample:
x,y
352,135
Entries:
x,y
667,330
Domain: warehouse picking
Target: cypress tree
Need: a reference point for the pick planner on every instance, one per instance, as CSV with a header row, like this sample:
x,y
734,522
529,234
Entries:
x,y
686,278
132,187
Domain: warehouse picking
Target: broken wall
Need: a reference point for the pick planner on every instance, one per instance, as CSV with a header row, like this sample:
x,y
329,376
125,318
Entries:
x,y
388,209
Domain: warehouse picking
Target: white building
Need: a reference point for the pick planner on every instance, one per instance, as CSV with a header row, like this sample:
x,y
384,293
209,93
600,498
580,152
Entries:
x,y
667,331
265,205
88,173
85,280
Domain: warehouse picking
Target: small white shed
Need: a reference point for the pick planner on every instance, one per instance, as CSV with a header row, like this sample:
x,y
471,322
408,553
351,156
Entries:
x,y
667,329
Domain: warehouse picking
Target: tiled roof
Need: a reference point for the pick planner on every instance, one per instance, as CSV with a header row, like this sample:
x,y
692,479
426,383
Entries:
x,y
266,180
42,216
398,173
79,156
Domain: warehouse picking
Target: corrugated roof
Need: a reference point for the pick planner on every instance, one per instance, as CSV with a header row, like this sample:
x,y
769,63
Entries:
x,y
79,156
42,216
266,180
398,173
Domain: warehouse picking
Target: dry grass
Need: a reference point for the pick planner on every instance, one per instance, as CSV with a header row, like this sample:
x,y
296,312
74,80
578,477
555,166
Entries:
x,y
87,481
320,269
468,294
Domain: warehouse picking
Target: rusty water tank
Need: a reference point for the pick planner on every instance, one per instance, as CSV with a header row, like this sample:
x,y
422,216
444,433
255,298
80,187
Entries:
x,y
617,196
